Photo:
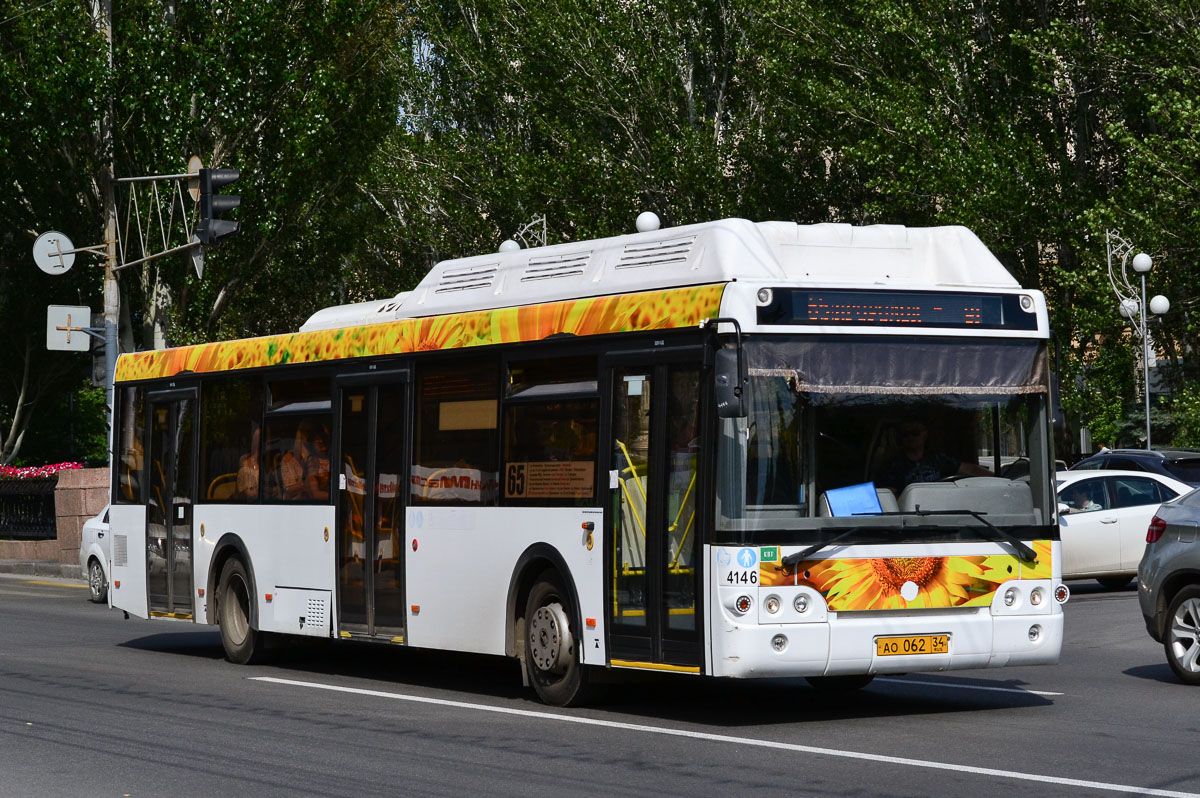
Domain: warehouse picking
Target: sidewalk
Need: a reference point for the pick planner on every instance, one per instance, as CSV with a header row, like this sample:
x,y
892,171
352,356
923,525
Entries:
x,y
41,568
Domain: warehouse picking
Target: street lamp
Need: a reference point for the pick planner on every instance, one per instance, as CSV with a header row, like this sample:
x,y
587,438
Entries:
x,y
1133,305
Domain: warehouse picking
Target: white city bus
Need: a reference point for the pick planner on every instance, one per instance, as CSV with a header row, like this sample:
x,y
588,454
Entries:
x,y
705,449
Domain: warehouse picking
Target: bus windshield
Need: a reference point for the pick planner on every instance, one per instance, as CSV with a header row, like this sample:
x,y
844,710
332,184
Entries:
x,y
884,432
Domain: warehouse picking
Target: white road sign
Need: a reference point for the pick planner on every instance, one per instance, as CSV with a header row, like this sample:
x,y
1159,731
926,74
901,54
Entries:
x,y
66,327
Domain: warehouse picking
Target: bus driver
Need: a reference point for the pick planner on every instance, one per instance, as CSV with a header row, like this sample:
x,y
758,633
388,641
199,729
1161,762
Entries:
x,y
916,464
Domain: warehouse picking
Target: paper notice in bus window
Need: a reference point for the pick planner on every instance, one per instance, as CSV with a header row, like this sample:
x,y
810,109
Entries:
x,y
550,479
453,484
389,485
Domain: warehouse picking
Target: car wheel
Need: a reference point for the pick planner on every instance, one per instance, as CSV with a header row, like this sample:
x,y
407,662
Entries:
x,y
1181,638
97,584
1114,582
243,644
552,659
840,684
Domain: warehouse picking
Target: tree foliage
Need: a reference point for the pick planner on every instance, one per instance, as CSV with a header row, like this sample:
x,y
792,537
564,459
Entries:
x,y
375,139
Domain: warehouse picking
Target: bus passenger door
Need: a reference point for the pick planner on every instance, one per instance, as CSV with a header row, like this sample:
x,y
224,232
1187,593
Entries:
x,y
652,544
170,448
371,460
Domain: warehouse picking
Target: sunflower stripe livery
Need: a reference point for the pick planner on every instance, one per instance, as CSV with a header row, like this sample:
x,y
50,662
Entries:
x,y
874,583
653,310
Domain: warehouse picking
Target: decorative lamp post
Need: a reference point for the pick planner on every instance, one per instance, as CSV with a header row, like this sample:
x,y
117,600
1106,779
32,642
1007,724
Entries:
x,y
1133,304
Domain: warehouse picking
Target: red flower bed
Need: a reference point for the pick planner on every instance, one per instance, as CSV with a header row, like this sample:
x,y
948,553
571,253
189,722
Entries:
x,y
36,472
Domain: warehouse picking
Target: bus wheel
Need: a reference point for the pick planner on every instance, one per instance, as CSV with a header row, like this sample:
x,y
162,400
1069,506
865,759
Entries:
x,y
840,684
551,650
243,644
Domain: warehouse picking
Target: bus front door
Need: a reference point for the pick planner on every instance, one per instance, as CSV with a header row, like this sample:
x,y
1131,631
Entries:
x,y
653,544
371,510
171,448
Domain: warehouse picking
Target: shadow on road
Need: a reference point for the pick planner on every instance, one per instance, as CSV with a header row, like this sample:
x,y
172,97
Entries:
x,y
1156,673
665,697
205,645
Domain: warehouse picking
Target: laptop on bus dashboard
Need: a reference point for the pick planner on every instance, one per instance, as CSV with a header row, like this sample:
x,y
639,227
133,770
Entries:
x,y
858,499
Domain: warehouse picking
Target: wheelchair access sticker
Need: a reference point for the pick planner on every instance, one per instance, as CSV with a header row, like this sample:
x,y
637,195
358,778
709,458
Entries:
x,y
743,570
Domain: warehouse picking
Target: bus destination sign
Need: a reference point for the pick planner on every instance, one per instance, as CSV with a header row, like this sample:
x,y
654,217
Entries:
x,y
859,308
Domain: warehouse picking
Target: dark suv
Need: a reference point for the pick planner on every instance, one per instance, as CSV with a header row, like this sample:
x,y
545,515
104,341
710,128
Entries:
x,y
1181,464
1169,583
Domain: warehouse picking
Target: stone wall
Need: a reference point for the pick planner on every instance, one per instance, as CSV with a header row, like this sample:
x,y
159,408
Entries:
x,y
80,495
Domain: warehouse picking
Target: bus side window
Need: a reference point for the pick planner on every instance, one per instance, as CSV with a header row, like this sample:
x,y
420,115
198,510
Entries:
x,y
230,418
129,445
295,453
550,451
454,454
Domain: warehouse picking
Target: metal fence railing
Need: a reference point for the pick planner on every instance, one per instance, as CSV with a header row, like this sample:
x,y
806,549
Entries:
x,y
27,509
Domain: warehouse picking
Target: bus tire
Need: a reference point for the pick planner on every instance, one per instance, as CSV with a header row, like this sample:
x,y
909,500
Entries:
x,y
243,644
840,684
552,659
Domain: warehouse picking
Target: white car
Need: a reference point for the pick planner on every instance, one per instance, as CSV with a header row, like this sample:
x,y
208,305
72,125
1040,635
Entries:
x,y
1103,516
94,547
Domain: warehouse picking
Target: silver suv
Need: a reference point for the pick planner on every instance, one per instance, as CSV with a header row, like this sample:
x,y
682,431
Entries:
x,y
1169,583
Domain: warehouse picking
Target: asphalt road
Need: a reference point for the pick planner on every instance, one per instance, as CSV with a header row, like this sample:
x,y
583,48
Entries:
x,y
94,705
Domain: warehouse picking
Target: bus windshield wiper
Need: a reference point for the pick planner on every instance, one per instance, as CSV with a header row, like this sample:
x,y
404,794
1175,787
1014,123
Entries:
x,y
1023,550
793,560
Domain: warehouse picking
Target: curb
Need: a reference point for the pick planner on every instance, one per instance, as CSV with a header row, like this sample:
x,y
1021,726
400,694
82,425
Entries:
x,y
40,568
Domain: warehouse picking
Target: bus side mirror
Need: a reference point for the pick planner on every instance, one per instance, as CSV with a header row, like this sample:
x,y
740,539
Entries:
x,y
729,384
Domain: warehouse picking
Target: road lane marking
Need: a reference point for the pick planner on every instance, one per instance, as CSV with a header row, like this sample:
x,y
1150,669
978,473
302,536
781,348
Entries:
x,y
966,686
51,584
725,738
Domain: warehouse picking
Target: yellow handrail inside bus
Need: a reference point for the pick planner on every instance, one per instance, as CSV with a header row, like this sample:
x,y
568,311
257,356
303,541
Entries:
x,y
682,504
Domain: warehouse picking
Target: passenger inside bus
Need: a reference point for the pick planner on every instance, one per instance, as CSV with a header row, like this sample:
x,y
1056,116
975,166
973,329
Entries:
x,y
917,463
247,475
304,470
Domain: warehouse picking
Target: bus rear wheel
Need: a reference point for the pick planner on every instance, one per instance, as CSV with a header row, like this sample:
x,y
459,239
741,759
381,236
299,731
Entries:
x,y
243,644
552,659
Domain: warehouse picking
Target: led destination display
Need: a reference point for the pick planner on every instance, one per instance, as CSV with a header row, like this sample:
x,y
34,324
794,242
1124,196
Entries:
x,y
843,307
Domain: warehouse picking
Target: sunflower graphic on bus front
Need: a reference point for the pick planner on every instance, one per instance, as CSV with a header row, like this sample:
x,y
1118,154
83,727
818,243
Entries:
x,y
896,583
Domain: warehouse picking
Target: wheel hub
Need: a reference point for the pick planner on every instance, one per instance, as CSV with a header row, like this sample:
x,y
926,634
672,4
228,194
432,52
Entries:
x,y
549,638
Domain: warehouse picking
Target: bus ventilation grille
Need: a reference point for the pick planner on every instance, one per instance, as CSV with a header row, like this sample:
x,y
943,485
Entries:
x,y
318,612
120,551
547,268
466,278
656,253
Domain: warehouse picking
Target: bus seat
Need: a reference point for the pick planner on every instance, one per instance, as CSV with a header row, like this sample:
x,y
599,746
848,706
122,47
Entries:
x,y
223,487
993,496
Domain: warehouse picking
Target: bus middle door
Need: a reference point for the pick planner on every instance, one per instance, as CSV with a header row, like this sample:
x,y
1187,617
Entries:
x,y
371,501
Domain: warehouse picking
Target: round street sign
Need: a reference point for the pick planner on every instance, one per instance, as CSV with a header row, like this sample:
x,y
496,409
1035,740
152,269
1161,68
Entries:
x,y
193,169
52,252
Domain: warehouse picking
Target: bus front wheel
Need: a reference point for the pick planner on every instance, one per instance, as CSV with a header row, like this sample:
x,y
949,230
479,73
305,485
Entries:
x,y
551,647
243,644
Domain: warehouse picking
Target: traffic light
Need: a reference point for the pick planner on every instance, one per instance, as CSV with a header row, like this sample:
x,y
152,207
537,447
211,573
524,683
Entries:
x,y
212,228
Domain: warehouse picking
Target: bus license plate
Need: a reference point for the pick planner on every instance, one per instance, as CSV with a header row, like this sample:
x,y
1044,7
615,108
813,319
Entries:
x,y
912,644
